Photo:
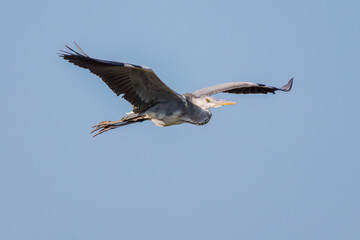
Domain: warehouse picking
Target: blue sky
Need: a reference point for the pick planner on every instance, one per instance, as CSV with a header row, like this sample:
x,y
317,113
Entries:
x,y
283,166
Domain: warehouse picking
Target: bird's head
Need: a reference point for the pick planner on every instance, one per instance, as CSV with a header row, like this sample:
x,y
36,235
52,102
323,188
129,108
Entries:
x,y
206,102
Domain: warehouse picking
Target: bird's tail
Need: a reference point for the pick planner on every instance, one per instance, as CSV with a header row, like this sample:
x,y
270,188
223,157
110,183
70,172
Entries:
x,y
108,125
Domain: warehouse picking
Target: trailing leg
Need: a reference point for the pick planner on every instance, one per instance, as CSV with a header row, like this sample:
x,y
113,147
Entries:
x,y
108,125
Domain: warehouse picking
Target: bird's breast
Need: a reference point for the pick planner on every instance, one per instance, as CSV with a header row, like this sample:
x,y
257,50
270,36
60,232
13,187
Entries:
x,y
196,115
163,120
174,113
167,114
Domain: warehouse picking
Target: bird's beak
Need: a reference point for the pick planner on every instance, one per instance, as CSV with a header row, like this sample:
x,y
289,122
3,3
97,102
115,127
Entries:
x,y
224,102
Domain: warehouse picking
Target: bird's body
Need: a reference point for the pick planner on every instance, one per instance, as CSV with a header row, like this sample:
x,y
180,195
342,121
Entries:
x,y
153,100
163,114
173,113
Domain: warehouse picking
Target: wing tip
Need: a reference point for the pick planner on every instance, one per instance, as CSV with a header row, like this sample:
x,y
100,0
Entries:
x,y
72,52
78,47
287,87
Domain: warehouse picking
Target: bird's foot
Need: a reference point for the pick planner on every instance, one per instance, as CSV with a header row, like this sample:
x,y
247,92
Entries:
x,y
102,124
103,127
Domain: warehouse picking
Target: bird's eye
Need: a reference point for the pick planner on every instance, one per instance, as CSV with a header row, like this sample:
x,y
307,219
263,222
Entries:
x,y
208,100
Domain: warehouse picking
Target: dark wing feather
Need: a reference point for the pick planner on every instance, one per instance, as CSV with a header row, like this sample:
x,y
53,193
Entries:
x,y
140,85
242,88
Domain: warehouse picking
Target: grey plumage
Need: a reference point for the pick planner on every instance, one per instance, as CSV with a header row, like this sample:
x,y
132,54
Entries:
x,y
139,85
152,99
242,88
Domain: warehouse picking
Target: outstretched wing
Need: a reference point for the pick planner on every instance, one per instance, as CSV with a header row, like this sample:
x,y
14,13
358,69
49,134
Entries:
x,y
139,85
242,88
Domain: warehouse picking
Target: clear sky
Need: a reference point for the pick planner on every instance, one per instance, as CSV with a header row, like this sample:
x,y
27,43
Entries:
x,y
283,166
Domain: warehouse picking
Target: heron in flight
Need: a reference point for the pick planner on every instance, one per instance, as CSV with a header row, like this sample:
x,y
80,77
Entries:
x,y
152,99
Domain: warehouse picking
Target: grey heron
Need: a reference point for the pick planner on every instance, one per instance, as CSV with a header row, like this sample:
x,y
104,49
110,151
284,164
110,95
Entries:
x,y
152,99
